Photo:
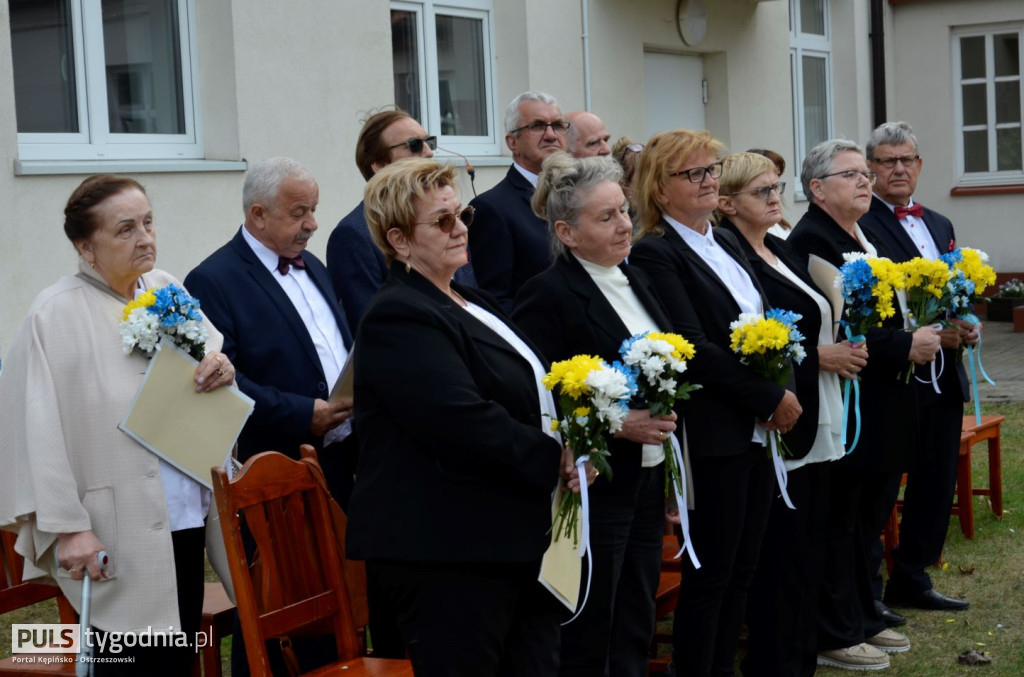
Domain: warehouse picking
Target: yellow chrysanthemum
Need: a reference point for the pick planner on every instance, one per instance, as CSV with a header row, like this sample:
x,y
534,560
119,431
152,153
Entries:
x,y
928,275
975,269
570,374
145,300
681,348
581,411
759,337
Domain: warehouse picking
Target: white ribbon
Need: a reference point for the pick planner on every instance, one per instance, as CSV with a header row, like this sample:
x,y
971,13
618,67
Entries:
x,y
935,376
780,469
584,533
681,502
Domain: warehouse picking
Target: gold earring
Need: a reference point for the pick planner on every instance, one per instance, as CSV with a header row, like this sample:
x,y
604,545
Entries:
x,y
407,267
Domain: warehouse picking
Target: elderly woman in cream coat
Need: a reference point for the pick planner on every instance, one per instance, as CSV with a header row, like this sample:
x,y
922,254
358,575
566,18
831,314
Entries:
x,y
72,480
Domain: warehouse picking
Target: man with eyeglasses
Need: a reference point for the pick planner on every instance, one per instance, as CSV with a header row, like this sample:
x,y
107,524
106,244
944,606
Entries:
x,y
908,230
355,263
508,242
587,135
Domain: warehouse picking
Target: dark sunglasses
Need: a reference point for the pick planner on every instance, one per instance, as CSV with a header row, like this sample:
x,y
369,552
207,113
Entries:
x,y
446,222
416,145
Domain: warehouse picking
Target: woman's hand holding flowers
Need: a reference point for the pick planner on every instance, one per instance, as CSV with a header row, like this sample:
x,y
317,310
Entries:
x,y
844,358
571,474
642,428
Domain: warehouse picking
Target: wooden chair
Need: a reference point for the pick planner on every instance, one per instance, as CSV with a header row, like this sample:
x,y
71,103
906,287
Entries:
x,y
298,586
963,506
989,431
665,599
218,622
17,594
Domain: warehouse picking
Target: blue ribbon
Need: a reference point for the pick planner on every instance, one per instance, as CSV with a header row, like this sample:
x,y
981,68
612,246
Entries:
x,y
856,400
972,319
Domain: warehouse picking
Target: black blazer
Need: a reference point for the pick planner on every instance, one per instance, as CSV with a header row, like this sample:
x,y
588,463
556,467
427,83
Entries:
x,y
508,243
275,360
565,314
455,465
888,432
881,224
720,416
782,293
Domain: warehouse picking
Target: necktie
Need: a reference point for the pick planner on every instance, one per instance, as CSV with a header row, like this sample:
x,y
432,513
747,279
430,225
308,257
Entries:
x,y
916,210
283,262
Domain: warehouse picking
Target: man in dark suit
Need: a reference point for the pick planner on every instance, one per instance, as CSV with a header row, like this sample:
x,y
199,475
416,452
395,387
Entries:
x,y
508,243
355,263
908,230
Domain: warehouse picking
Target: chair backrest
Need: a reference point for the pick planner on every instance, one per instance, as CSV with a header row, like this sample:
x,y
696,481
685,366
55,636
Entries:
x,y
15,593
294,582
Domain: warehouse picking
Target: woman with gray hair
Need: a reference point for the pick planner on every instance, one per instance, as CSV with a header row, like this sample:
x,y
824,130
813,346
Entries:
x,y
851,632
589,301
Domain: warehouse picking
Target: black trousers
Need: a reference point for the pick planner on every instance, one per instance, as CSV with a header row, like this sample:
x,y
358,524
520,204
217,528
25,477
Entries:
x,y
859,504
732,498
475,619
782,606
189,568
931,483
612,635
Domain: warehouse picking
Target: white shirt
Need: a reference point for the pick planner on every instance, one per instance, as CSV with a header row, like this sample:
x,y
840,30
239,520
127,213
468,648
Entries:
x,y
732,275
316,316
527,174
918,231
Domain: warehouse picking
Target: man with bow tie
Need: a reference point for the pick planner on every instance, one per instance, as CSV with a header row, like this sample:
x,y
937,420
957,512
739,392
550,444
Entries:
x,y
906,229
283,329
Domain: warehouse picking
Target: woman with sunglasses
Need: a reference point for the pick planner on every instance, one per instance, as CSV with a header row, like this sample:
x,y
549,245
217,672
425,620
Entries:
x,y
589,302
851,632
705,283
782,606
452,501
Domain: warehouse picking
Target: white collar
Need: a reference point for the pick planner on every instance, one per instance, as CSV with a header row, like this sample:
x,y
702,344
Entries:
x,y
527,174
267,256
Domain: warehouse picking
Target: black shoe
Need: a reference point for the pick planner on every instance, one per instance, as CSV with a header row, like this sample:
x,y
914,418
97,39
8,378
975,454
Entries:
x,y
930,600
891,618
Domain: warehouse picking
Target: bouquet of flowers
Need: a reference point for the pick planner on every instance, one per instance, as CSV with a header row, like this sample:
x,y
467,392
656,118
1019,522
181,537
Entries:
x,y
657,360
970,275
868,285
593,397
166,312
925,281
770,344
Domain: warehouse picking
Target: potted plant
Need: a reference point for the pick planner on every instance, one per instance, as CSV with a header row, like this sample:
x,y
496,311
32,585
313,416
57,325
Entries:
x,y
1009,296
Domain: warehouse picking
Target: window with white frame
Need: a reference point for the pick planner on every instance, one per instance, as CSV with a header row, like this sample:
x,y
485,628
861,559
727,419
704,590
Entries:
x,y
443,71
810,61
988,102
104,79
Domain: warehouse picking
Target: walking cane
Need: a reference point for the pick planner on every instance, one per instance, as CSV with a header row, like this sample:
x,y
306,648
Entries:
x,y
84,667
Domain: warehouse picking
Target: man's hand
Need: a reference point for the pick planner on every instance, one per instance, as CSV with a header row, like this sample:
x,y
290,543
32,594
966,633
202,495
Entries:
x,y
329,415
786,414
924,345
949,337
969,333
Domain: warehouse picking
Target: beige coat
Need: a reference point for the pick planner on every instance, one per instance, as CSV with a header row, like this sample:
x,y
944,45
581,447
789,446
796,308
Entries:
x,y
64,387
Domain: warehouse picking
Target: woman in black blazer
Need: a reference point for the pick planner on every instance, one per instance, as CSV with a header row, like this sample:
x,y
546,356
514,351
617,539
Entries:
x,y
452,501
589,302
851,631
705,283
782,607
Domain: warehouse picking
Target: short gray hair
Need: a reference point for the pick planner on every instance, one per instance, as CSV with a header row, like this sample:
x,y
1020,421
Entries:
x,y
891,134
512,118
563,186
263,180
819,161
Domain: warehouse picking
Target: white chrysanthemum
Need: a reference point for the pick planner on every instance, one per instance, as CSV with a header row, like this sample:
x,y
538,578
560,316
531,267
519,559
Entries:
x,y
854,256
607,382
653,367
798,353
141,329
677,365
193,330
667,385
745,319
614,415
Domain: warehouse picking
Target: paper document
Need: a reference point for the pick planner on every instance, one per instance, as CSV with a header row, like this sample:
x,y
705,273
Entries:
x,y
192,431
345,385
561,568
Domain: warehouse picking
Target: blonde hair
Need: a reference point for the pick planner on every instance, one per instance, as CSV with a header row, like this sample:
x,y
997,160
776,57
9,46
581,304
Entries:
x,y
389,200
666,152
739,169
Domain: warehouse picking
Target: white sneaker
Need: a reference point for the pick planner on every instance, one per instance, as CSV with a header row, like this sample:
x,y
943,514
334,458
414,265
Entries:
x,y
859,657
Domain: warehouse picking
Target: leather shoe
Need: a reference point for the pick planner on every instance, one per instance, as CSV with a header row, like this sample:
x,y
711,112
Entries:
x,y
929,600
890,617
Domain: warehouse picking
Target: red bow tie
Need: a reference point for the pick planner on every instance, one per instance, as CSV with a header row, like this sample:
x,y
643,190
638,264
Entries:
x,y
283,263
917,210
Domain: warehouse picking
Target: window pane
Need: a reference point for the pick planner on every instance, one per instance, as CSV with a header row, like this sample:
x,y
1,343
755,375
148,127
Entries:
x,y
972,57
460,76
142,47
975,105
815,103
45,92
1008,149
976,151
1008,101
812,17
1006,48
405,58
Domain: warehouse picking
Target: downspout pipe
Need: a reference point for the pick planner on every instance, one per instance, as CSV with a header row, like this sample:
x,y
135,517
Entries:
x,y
585,9
877,38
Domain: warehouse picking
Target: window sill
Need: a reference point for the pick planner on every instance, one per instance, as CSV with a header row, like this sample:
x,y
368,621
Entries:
x,y
965,191
46,167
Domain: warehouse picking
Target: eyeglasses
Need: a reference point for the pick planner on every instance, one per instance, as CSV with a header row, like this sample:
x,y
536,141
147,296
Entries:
x,y
765,192
539,127
446,222
696,174
416,145
890,162
854,175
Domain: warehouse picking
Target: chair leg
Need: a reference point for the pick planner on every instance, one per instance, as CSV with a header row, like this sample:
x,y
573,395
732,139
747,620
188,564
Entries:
x,y
995,473
964,493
